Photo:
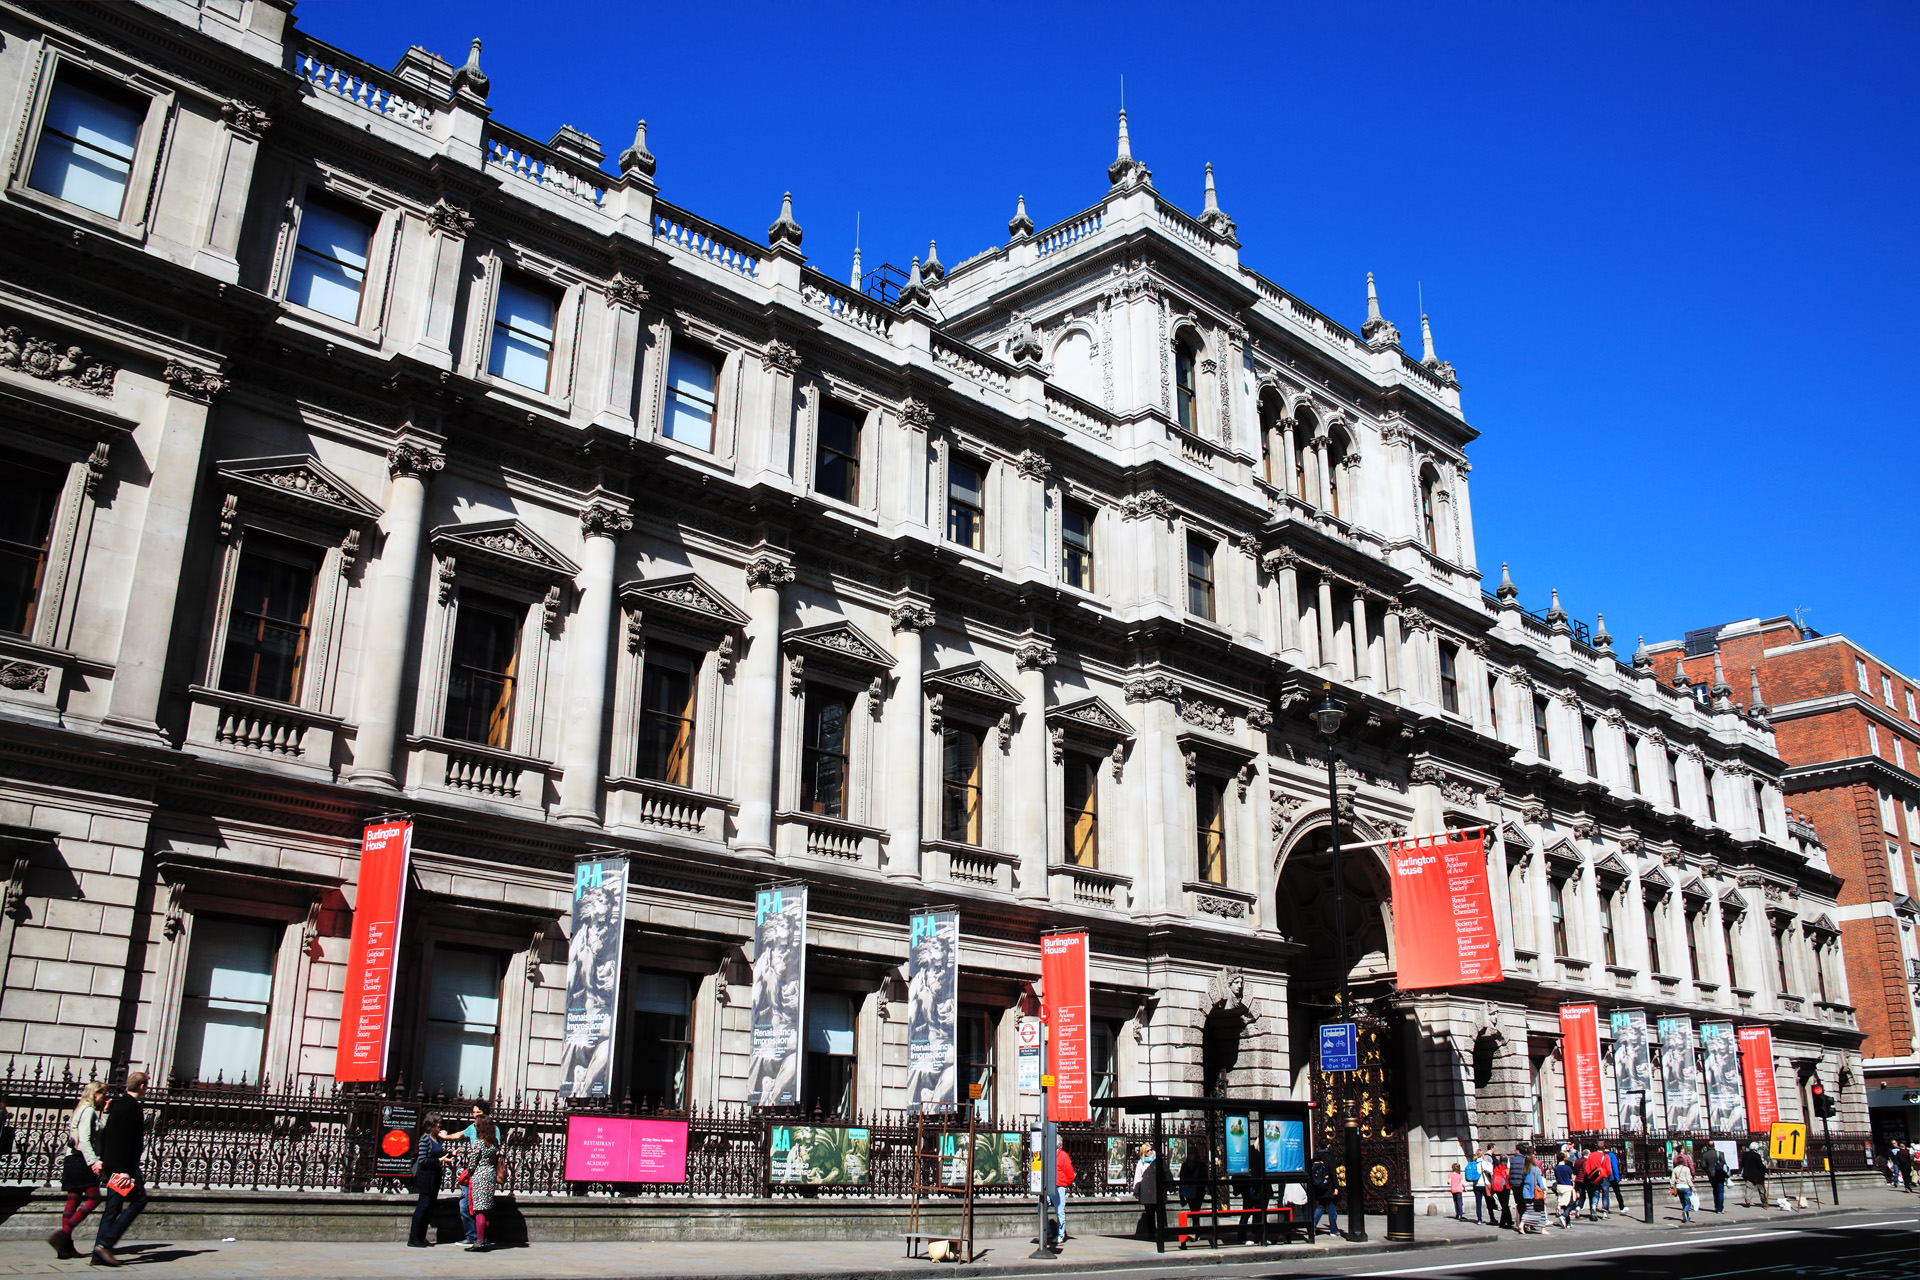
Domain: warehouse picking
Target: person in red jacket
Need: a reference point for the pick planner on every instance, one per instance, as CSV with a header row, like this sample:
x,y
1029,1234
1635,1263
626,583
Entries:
x,y
1595,1171
1062,1179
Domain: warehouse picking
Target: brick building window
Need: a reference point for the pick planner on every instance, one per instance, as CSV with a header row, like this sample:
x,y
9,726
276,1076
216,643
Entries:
x,y
1860,674
29,493
1913,710
1873,740
1896,870
1886,690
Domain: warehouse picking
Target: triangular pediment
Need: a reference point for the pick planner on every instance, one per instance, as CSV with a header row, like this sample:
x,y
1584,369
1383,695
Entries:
x,y
1515,836
839,642
1655,879
1091,715
297,482
1695,889
685,595
1822,923
1610,866
973,681
506,544
1562,850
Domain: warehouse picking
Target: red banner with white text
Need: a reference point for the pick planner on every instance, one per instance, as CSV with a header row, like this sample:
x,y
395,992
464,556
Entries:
x,y
1580,1058
1756,1069
1443,931
366,1009
1063,978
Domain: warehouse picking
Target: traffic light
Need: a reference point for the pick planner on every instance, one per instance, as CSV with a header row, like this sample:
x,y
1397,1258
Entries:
x,y
1822,1104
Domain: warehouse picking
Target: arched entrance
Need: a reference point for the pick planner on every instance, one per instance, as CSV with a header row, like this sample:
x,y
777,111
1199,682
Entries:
x,y
1376,1095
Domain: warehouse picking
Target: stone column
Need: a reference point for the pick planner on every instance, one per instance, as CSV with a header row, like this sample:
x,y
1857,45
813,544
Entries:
x,y
759,693
1323,498
605,518
783,398
906,741
1032,767
1287,480
1329,652
172,451
1391,630
383,653
1362,675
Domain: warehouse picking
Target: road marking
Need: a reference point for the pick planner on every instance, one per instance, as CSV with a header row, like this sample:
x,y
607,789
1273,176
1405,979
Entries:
x,y
1581,1253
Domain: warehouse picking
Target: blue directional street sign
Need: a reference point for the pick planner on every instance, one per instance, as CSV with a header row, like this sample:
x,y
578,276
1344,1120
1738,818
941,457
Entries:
x,y
1339,1047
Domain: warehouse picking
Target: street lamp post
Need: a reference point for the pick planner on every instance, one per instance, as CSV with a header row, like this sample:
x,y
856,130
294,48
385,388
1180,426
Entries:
x,y
1327,718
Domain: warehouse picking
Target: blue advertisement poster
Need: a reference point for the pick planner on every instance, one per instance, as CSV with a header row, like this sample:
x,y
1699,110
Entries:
x,y
1237,1144
1285,1145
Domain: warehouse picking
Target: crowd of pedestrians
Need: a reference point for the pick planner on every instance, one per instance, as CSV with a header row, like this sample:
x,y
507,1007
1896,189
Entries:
x,y
1528,1189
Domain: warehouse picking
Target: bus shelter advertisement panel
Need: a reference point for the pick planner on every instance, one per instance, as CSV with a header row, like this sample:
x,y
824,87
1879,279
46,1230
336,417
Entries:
x,y
1063,971
779,995
933,1002
366,1011
1443,929
593,976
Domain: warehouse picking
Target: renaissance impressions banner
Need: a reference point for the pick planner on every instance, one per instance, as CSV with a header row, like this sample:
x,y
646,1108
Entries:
x,y
366,1012
1680,1076
1443,923
1756,1068
933,1002
1632,1066
1063,972
1580,1050
1726,1107
779,995
593,976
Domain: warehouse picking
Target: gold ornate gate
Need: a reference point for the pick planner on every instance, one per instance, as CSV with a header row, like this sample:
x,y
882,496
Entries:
x,y
1375,1096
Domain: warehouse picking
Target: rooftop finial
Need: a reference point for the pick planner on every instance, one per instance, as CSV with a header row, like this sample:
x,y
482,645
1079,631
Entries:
x,y
1213,199
471,77
1378,333
1426,341
1506,589
636,158
1759,704
1020,225
1126,145
784,231
1601,639
855,280
914,292
1641,658
936,270
1722,691
1556,616
1124,167
1373,299
1211,217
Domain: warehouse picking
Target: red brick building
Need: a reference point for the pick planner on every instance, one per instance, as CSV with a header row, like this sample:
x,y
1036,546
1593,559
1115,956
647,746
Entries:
x,y
1848,726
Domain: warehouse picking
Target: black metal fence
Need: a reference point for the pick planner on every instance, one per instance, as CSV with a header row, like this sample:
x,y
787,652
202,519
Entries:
x,y
270,1138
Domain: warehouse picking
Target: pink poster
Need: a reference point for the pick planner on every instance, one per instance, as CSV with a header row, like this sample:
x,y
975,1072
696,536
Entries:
x,y
611,1149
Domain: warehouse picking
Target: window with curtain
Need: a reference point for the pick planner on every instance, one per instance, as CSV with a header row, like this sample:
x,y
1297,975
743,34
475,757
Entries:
x,y
1210,829
272,613
1655,961
1186,386
1557,911
1199,577
827,1082
1608,953
87,140
1081,795
662,1040
825,754
1713,806
976,1052
523,324
966,503
463,1022
836,455
1449,678
962,763
29,495
693,398
223,1008
482,675
330,259
1076,546
667,690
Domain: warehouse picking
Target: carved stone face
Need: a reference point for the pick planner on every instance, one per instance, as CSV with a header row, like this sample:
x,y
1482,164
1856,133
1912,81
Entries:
x,y
1236,986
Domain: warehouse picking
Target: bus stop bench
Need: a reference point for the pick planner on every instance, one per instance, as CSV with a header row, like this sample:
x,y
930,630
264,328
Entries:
x,y
1246,1219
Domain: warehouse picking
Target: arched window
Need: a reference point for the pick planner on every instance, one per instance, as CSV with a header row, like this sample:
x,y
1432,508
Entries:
x,y
1073,365
1270,438
1337,473
1186,385
1303,429
1429,499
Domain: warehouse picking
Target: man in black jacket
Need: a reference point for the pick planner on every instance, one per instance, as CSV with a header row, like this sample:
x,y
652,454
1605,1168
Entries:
x,y
120,1144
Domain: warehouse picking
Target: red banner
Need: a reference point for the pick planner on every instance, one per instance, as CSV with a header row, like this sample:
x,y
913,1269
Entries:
x,y
1443,930
366,1007
1756,1068
1063,975
1580,1055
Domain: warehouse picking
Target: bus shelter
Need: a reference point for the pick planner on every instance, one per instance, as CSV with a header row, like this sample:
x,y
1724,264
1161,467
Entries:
x,y
1251,1149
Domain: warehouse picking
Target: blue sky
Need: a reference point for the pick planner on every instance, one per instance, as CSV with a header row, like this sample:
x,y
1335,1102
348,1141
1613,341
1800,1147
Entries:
x,y
1671,250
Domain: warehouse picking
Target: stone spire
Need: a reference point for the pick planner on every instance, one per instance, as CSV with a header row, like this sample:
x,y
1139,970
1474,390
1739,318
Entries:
x,y
1125,169
1757,707
1641,658
1506,590
1211,217
1428,358
1377,332
1020,226
1602,641
1556,616
471,77
784,231
1680,680
1721,690
854,279
914,292
936,270
636,158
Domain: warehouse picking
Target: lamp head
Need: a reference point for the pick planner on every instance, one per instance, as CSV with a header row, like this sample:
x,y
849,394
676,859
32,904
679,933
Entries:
x,y
1328,716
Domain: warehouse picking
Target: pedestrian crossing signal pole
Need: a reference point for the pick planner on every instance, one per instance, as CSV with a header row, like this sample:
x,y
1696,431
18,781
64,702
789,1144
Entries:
x,y
1824,1108
1043,1152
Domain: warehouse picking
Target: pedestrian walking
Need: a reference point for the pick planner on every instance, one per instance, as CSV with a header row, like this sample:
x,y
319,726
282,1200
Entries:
x,y
1326,1195
1533,1214
121,1143
427,1172
1903,1160
1472,1172
1062,1179
1503,1193
1593,1172
1613,1177
80,1171
1563,1188
1717,1175
482,1167
1753,1177
1146,1189
1682,1175
1457,1184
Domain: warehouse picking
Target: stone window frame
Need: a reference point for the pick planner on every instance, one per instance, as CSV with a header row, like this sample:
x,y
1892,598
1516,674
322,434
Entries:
x,y
520,568
728,393
519,939
383,251
1088,727
1059,495
493,262
1611,880
48,54
812,393
1234,768
945,445
686,612
842,657
973,694
191,886
294,497
1206,386
1562,862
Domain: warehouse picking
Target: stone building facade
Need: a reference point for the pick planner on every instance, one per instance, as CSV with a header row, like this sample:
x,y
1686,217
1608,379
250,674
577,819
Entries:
x,y
1848,726
370,456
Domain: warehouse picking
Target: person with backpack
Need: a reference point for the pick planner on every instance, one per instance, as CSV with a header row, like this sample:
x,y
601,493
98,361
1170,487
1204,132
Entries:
x,y
1472,1173
1062,1179
1326,1194
1717,1176
1595,1171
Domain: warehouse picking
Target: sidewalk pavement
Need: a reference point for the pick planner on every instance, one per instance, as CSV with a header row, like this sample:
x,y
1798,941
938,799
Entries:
x,y
854,1259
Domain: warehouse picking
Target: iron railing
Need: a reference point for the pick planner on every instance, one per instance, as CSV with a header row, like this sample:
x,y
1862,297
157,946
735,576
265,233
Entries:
x,y
1649,1152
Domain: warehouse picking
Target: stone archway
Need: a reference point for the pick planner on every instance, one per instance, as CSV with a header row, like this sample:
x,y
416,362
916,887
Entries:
x,y
1240,1050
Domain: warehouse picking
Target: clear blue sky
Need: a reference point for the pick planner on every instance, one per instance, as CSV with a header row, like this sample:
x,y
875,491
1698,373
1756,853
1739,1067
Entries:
x,y
1671,249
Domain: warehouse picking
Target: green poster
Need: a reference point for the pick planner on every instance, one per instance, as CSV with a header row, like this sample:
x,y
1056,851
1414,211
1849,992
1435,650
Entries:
x,y
814,1154
998,1159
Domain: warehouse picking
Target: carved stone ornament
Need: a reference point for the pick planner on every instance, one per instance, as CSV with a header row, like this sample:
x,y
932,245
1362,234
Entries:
x,y
417,461
244,117
449,219
1259,719
1208,715
911,616
1151,505
783,356
797,674
767,571
553,606
445,573
97,467
1278,559
66,366
1229,908
1460,793
605,518
1057,736
25,676
1034,465
1035,655
1249,543
622,292
1153,689
917,414
974,683
1426,773
840,644
876,696
1585,827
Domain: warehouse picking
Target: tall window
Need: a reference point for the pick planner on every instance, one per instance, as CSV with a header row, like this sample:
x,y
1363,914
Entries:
x,y
825,755
1731,938
1269,437
29,493
1913,711
1557,910
961,765
1493,702
1819,952
1210,829
966,503
1673,778
1651,910
1896,870
666,715
1186,387
486,658
1303,429
827,1082
1449,678
1082,804
1106,1066
1429,489
1608,952
223,1011
1886,690
1336,470
662,1040
1860,674
1780,956
975,1055
1713,806
836,456
272,611
523,334
1693,942
1541,746
85,156
1633,763
463,1021
1199,577
1760,807
1076,546
693,401
330,260
1589,753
